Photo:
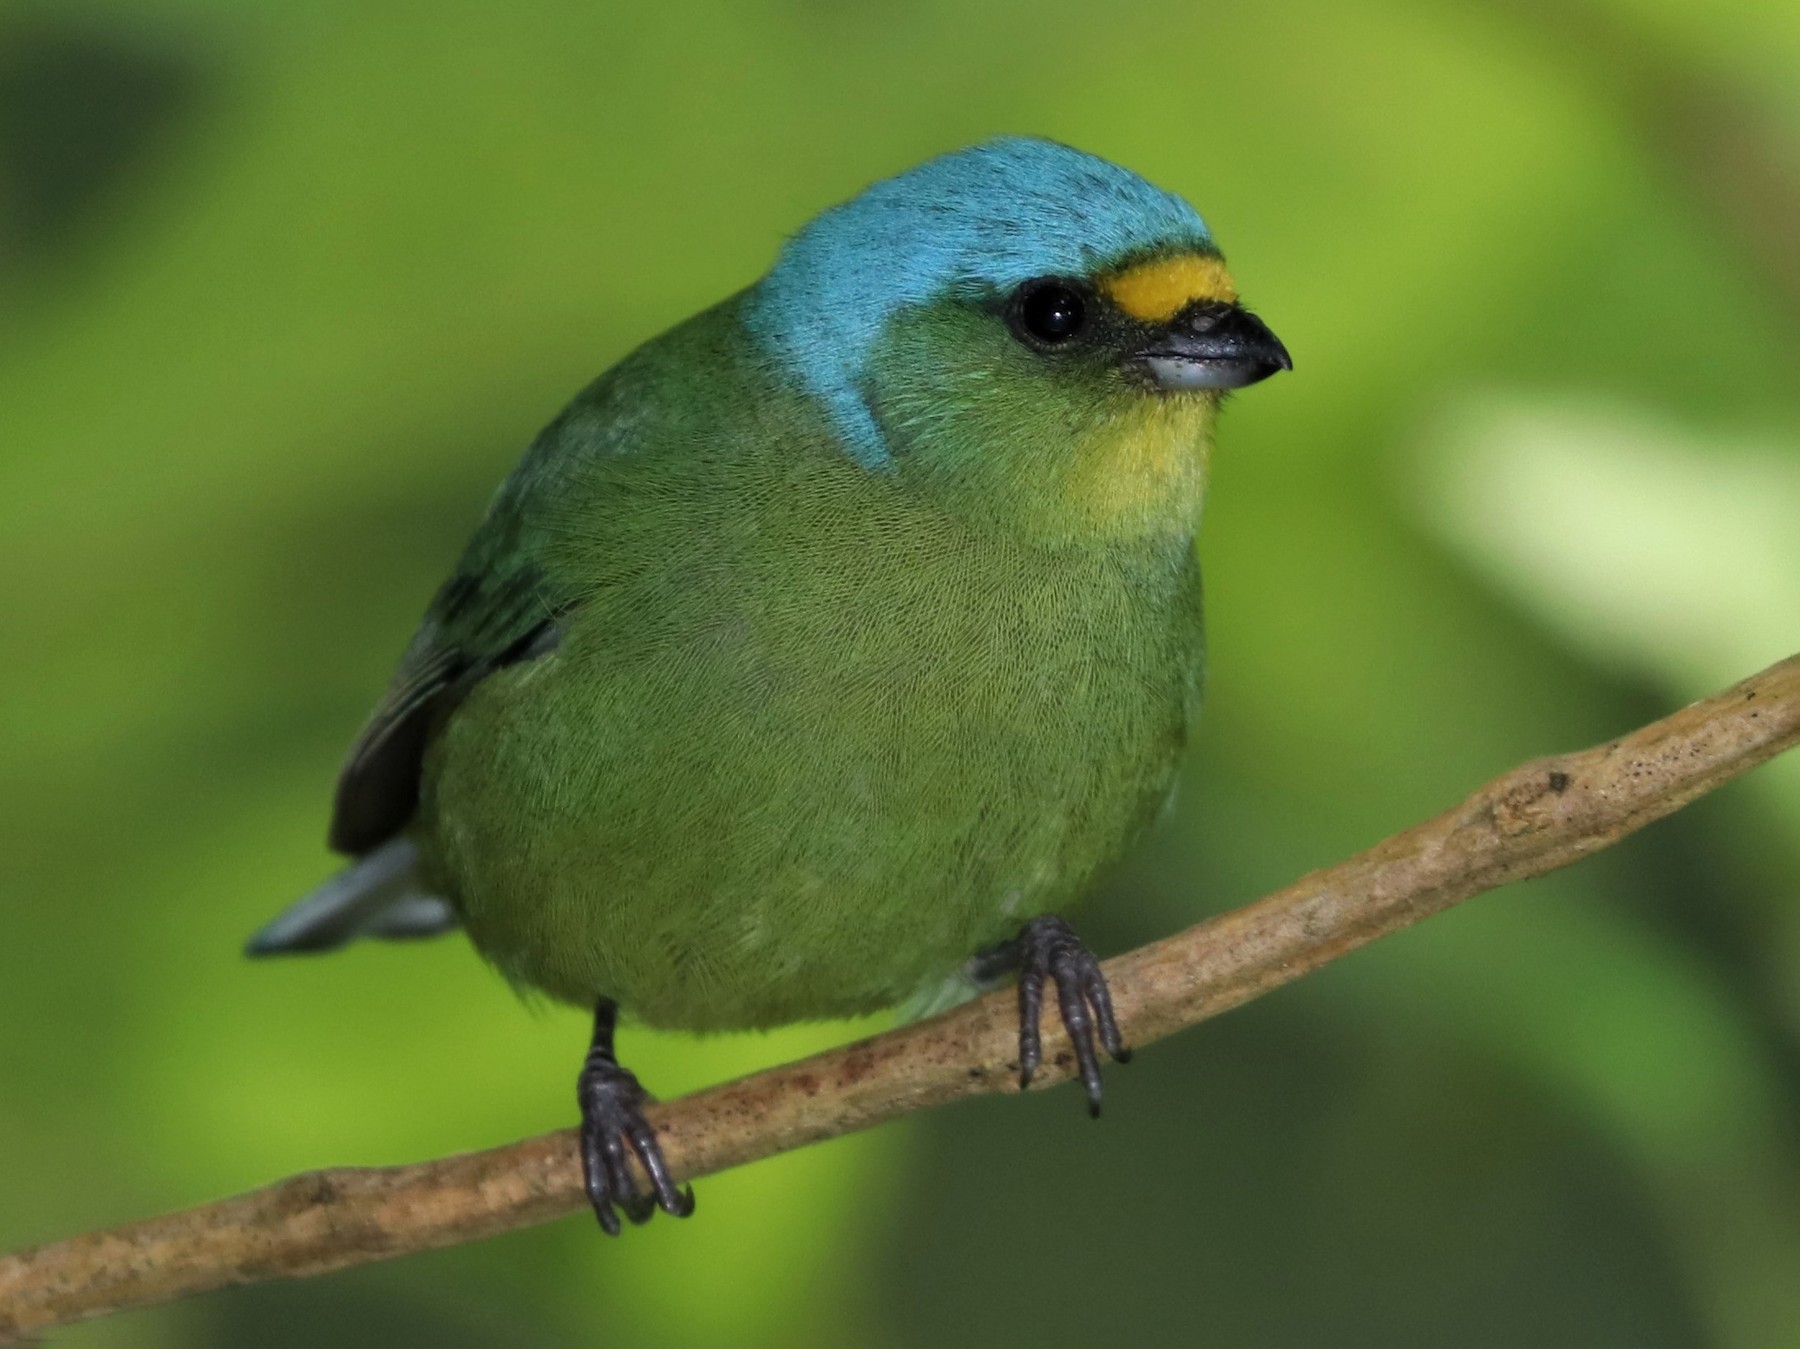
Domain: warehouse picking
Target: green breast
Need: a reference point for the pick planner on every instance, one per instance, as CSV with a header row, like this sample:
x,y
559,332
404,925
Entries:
x,y
808,742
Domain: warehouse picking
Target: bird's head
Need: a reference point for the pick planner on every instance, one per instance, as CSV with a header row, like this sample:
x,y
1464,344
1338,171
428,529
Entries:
x,y
1036,334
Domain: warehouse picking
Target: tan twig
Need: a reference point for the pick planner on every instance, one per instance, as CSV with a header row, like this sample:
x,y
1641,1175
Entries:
x,y
1532,820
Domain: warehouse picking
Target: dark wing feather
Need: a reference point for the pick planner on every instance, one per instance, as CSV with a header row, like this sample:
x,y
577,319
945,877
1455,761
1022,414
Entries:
x,y
472,629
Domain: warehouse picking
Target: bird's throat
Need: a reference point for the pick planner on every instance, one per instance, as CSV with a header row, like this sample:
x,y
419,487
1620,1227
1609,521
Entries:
x,y
1143,472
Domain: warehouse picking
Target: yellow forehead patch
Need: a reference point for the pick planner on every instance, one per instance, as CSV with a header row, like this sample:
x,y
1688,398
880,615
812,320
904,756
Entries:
x,y
1157,291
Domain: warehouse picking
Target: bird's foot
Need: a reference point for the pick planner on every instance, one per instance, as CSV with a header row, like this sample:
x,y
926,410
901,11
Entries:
x,y
612,1127
1049,948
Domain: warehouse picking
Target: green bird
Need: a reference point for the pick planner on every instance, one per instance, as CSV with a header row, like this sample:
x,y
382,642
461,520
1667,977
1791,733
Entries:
x,y
830,644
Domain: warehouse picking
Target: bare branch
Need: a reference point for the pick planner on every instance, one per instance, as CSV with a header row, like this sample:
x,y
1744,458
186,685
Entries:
x,y
1532,820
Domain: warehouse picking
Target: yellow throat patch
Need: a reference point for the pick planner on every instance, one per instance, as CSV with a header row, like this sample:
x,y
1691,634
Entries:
x,y
1158,290
1143,471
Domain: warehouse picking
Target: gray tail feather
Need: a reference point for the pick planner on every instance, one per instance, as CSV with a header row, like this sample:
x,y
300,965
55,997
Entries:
x,y
375,896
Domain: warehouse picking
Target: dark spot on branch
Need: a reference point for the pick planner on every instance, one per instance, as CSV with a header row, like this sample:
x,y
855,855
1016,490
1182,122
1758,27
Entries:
x,y
858,1064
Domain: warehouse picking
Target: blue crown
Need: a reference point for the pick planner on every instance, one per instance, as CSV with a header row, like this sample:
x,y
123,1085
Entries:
x,y
977,221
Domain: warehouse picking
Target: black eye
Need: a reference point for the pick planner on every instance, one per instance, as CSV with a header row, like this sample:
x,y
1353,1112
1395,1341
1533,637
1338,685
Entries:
x,y
1050,312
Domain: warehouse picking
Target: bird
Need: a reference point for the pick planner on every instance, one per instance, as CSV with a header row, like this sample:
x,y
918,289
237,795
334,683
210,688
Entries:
x,y
821,653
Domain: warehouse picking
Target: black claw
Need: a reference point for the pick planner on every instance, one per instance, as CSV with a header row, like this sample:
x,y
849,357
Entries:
x,y
612,1127
1031,1004
672,1199
1049,948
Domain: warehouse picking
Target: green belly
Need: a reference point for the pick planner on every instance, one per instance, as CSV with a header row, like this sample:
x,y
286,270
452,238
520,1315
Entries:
x,y
800,767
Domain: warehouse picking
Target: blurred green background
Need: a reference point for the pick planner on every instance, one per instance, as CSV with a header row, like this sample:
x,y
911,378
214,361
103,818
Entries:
x,y
283,290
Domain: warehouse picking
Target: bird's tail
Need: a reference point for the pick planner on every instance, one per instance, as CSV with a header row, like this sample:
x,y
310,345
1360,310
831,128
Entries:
x,y
375,896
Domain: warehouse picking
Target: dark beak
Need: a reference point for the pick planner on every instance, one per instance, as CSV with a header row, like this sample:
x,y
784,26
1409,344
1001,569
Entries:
x,y
1213,345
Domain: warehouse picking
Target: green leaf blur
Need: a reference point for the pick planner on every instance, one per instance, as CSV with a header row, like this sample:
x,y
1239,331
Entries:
x,y
283,290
